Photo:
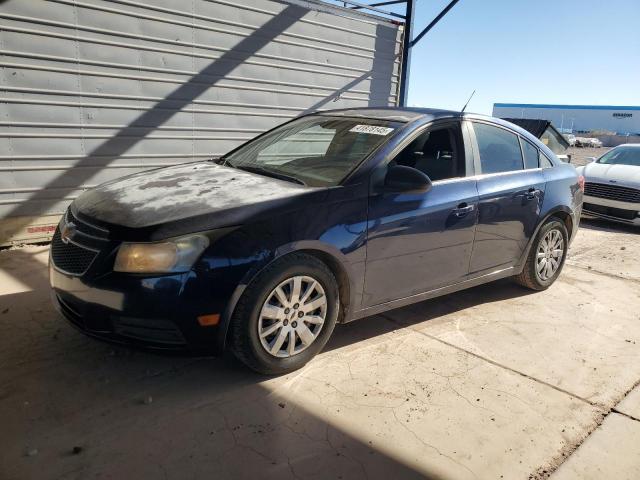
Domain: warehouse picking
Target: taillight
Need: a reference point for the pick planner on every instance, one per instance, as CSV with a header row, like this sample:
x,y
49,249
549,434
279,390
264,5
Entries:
x,y
581,182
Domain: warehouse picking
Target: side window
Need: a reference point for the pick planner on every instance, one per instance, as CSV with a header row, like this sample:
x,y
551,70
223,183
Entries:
x,y
530,154
437,153
544,161
499,149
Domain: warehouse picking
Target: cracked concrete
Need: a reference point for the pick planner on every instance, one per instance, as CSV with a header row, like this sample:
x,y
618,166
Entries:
x,y
612,451
494,382
630,405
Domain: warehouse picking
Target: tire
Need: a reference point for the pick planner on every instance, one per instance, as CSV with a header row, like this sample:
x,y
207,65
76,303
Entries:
x,y
531,276
260,296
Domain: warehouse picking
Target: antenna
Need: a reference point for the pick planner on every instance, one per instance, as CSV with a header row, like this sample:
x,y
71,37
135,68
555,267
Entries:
x,y
465,105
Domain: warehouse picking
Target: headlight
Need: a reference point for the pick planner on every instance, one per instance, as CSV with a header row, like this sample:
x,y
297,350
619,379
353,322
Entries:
x,y
177,255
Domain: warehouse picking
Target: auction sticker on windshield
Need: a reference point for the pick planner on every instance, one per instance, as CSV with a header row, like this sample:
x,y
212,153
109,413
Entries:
x,y
372,130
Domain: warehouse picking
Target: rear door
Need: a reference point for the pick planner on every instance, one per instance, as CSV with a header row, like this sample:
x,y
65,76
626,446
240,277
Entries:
x,y
418,241
510,189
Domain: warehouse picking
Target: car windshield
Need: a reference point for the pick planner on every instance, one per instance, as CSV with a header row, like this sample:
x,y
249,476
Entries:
x,y
622,156
315,150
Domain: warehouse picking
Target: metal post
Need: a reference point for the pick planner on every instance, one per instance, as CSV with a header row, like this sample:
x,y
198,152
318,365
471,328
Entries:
x,y
434,22
406,53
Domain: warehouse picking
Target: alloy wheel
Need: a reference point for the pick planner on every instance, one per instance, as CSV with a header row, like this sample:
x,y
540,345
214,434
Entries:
x,y
550,254
292,316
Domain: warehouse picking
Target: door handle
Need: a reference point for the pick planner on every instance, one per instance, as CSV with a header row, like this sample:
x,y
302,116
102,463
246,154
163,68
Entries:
x,y
532,193
463,209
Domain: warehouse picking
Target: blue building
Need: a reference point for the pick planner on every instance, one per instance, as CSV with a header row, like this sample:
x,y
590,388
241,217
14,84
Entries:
x,y
615,119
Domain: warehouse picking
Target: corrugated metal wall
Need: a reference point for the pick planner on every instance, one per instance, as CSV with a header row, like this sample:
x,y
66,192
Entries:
x,y
92,90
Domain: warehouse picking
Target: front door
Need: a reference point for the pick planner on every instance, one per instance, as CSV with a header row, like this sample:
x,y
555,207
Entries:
x,y
511,190
421,241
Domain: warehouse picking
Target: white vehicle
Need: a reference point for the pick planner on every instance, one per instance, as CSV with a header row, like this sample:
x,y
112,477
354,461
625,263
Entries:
x,y
612,185
595,143
571,138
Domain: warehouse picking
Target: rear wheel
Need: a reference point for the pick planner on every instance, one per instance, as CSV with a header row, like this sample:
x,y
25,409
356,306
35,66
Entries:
x,y
546,257
286,315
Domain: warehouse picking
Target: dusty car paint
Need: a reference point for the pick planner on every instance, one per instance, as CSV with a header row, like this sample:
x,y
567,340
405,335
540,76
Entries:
x,y
175,200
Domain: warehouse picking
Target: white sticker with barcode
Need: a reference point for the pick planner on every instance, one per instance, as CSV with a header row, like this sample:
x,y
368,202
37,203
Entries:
x,y
372,130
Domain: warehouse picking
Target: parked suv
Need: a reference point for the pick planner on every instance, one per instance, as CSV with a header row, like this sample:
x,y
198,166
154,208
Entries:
x,y
328,218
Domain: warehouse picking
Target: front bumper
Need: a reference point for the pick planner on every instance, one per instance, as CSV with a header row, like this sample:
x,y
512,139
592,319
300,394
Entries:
x,y
613,210
150,312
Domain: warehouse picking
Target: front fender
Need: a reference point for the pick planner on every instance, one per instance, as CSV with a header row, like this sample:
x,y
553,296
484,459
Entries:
x,y
327,253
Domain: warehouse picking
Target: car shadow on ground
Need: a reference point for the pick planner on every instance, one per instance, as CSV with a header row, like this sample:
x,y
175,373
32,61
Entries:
x,y
422,312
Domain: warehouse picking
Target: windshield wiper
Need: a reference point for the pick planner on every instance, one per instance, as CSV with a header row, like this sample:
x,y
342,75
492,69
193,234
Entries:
x,y
222,160
268,173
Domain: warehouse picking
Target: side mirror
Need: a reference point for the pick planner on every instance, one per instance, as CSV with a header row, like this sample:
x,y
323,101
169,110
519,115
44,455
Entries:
x,y
400,178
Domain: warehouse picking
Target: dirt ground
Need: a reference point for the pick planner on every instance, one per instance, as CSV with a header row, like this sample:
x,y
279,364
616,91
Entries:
x,y
494,382
581,156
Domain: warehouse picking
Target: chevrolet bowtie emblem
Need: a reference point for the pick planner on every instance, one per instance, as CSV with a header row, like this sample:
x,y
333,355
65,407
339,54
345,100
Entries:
x,y
68,231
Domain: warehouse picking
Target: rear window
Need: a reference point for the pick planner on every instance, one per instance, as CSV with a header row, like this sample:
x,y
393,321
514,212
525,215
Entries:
x,y
499,149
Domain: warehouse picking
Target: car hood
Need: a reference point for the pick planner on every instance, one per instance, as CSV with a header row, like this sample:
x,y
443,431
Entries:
x,y
627,175
186,198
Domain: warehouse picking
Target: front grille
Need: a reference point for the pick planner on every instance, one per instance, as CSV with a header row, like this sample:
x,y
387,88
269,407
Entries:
x,y
611,212
69,257
612,192
85,241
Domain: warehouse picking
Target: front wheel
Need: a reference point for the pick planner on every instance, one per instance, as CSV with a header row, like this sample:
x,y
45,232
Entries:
x,y
286,315
546,257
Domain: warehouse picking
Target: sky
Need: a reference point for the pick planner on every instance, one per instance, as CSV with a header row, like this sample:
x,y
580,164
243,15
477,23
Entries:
x,y
527,51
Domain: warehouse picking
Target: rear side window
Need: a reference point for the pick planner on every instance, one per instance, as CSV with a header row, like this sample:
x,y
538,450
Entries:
x,y
530,154
544,161
499,149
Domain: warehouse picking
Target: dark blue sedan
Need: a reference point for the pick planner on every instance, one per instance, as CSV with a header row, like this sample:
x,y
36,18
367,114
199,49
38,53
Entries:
x,y
328,218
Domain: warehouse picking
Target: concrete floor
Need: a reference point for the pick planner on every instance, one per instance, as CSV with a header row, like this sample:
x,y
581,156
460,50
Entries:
x,y
494,382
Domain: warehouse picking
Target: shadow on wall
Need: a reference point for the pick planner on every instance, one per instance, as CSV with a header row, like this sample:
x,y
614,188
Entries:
x,y
182,96
161,112
381,73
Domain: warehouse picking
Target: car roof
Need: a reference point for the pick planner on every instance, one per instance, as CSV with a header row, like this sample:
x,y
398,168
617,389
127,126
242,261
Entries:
x,y
634,145
411,114
425,115
394,114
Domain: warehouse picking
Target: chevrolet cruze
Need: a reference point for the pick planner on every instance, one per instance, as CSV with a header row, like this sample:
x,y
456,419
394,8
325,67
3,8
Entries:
x,y
331,217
